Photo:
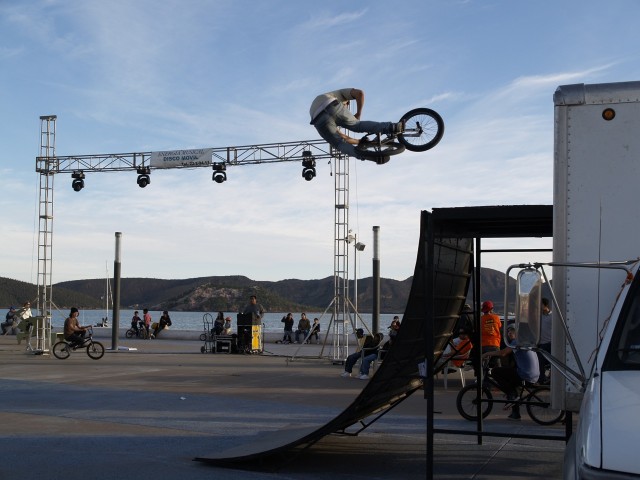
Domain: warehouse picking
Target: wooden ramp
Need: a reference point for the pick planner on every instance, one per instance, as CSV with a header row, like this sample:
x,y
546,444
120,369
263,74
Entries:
x,y
397,377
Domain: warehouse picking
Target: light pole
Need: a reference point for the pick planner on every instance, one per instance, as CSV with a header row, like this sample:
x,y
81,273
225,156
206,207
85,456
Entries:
x,y
357,247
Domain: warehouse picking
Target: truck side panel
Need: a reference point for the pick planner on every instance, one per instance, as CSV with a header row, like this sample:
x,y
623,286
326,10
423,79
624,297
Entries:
x,y
596,214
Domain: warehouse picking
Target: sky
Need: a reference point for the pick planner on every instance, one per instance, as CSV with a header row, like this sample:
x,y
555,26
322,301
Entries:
x,y
138,76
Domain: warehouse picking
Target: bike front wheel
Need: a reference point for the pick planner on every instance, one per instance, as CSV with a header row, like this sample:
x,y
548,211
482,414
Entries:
x,y
539,407
467,402
129,333
95,350
61,350
423,129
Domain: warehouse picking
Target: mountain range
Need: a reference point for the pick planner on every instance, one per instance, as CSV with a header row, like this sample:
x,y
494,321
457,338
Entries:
x,y
230,293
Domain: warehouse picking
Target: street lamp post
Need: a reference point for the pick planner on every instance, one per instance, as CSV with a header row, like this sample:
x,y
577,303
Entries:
x,y
357,247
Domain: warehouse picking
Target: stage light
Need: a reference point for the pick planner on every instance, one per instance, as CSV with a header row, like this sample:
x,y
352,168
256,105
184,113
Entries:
x,y
143,176
308,166
219,172
78,180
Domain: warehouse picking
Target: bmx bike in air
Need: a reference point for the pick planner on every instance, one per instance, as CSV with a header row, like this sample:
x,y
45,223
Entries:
x,y
423,130
95,350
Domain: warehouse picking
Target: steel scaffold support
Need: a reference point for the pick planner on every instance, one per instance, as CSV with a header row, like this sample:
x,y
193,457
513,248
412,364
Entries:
x,y
45,233
48,164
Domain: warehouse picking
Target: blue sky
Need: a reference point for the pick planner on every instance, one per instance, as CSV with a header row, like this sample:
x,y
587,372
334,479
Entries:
x,y
136,76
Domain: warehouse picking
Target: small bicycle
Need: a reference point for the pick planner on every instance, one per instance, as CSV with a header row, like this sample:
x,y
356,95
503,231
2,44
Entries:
x,y
141,332
536,398
95,350
423,130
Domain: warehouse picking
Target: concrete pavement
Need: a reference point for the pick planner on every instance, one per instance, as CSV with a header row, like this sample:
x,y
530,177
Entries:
x,y
149,412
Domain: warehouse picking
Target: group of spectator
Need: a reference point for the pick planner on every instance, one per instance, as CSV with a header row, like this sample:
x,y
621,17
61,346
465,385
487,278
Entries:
x,y
305,331
146,323
369,348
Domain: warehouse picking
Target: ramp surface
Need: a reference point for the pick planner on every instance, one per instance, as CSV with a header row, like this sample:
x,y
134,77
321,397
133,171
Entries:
x,y
397,377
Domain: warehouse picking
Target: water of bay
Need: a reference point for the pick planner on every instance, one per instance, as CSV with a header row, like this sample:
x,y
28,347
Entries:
x,y
194,321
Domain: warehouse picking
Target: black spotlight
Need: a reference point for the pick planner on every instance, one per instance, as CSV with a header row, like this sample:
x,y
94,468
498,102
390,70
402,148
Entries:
x,y
78,180
143,176
308,166
219,173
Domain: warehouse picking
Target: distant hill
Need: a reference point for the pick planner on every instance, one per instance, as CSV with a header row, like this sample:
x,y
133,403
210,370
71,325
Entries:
x,y
15,292
230,293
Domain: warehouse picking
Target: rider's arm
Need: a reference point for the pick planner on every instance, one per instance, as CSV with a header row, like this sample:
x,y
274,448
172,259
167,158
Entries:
x,y
358,96
348,139
498,353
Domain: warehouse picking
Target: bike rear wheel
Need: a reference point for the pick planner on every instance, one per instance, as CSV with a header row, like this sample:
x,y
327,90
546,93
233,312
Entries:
x,y
378,151
423,129
467,402
95,350
539,407
61,350
130,333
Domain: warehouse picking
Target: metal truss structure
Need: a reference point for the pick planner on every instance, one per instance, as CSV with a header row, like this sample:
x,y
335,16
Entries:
x,y
49,164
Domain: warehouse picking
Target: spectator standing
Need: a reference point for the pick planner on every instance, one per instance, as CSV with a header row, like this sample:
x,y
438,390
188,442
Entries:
x,y
256,310
545,339
490,335
288,328
146,318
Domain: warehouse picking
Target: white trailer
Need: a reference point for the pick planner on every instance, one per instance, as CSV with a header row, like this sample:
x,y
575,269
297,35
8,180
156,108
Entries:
x,y
597,219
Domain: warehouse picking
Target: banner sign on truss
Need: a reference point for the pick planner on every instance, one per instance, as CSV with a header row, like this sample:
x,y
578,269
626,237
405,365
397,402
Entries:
x,y
181,158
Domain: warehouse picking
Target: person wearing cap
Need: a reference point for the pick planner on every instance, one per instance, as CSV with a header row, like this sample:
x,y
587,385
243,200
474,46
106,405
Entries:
x,y
509,378
490,335
73,332
10,321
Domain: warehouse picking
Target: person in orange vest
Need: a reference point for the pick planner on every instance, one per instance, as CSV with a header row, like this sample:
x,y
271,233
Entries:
x,y
490,335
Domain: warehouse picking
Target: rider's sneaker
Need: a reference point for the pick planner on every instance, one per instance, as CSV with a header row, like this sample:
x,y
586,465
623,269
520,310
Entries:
x,y
398,128
364,143
383,160
514,416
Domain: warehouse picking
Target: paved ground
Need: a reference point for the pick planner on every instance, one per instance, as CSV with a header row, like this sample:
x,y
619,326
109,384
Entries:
x,y
150,412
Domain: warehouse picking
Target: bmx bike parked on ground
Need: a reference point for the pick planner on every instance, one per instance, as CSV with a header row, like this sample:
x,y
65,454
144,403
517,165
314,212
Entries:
x,y
536,398
95,350
423,130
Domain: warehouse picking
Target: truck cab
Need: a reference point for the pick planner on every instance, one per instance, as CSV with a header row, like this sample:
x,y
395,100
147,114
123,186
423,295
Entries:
x,y
605,442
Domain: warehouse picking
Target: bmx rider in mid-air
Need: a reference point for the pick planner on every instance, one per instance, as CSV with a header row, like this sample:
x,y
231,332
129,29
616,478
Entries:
x,y
330,111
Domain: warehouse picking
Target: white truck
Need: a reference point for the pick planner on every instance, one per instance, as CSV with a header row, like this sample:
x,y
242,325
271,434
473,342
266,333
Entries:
x,y
596,282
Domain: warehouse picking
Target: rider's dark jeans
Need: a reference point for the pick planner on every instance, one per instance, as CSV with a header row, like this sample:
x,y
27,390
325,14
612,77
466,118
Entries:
x,y
75,338
507,378
337,115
